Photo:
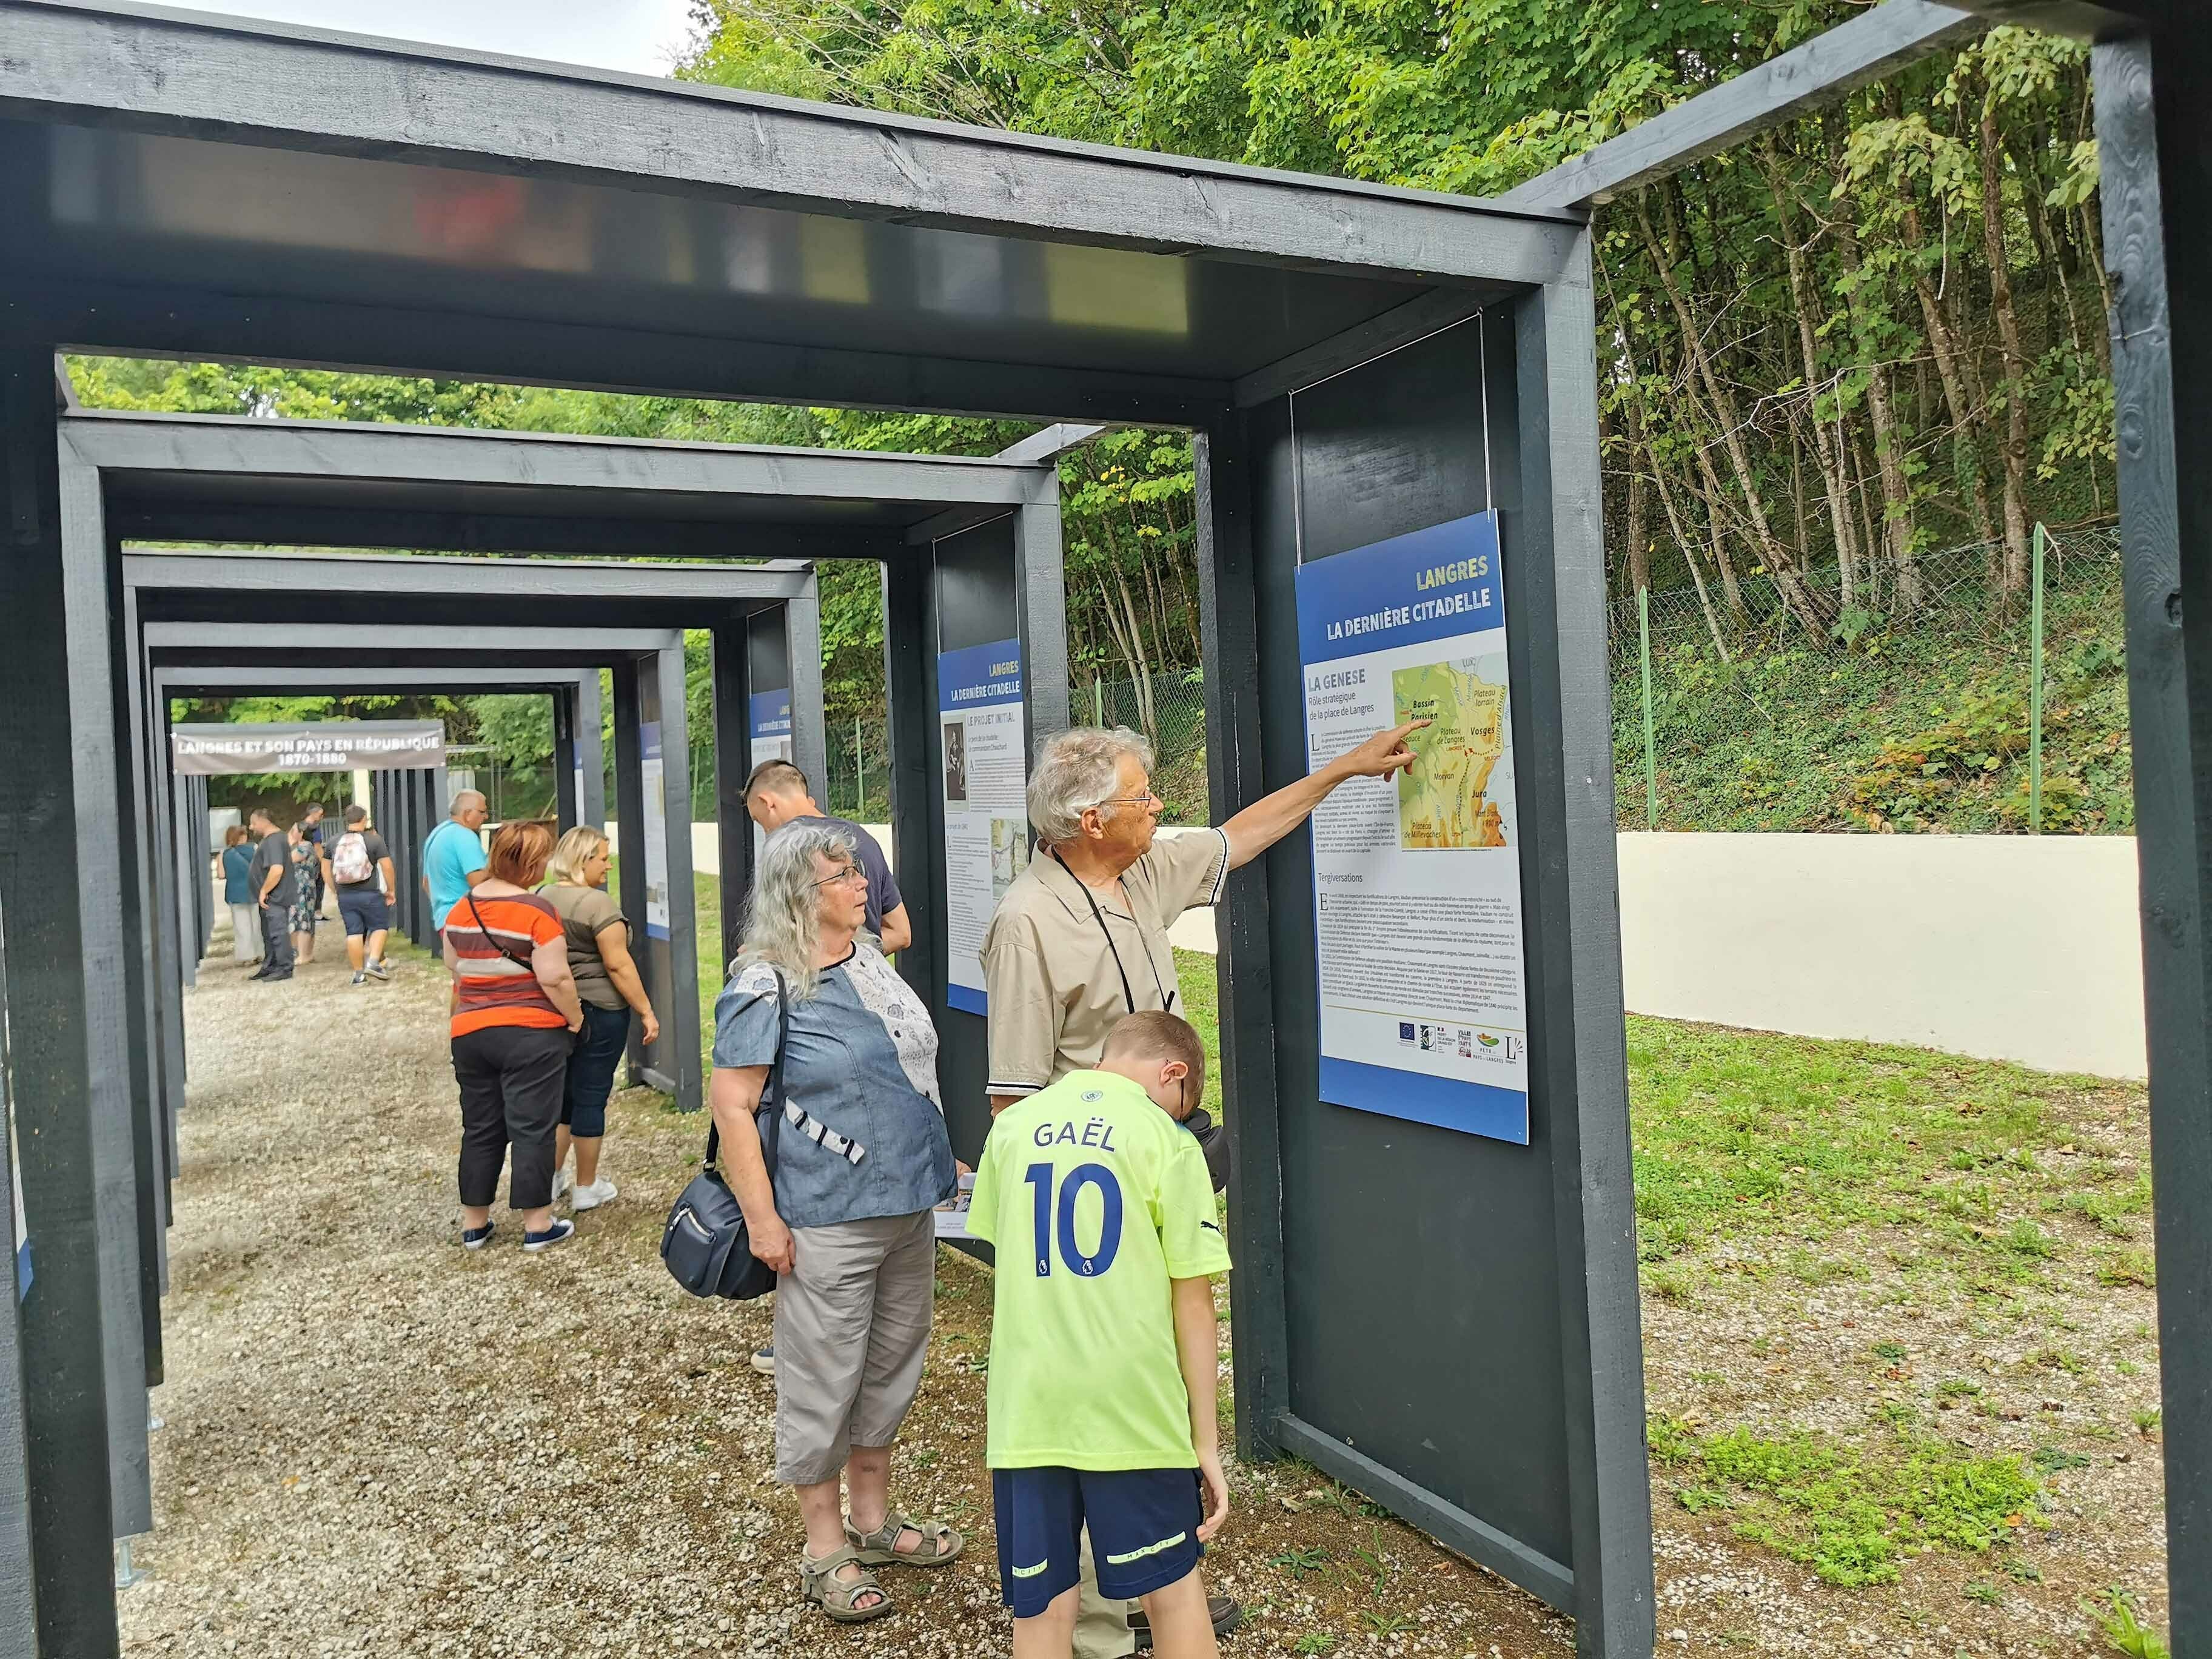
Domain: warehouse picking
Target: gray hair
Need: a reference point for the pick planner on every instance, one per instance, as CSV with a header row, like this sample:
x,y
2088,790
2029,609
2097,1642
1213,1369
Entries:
x,y
783,921
463,798
1078,770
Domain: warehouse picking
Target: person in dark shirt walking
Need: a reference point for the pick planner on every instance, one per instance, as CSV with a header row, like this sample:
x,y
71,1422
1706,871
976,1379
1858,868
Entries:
x,y
777,793
357,866
268,878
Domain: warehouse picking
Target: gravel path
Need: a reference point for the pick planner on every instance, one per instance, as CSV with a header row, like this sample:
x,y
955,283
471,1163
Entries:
x,y
380,1444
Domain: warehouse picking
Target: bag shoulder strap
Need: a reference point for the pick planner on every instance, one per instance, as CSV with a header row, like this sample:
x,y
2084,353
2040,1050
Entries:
x,y
771,1090
487,932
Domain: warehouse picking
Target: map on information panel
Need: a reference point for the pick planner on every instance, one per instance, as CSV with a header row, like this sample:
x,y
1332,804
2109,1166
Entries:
x,y
1449,798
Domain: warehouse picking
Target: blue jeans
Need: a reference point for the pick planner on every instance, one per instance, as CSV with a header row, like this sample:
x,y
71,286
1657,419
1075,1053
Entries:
x,y
591,1065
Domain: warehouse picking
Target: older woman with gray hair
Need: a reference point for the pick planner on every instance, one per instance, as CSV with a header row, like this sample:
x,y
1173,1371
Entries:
x,y
1080,940
862,1159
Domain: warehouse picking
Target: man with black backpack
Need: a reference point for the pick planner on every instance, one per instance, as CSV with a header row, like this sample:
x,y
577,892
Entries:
x,y
357,865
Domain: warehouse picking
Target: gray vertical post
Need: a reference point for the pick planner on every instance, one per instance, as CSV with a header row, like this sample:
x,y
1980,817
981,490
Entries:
x,y
19,1628
630,818
567,808
802,632
91,587
679,1040
590,751
2157,199
732,646
180,873
1577,1044
1243,969
142,1049
910,711
1043,589
203,858
58,955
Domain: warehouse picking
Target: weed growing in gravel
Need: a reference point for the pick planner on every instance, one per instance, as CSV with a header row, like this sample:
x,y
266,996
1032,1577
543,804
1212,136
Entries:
x,y
1314,1641
1850,1513
2123,1628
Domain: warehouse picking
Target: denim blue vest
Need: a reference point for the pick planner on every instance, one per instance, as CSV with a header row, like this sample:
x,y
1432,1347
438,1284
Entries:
x,y
863,1133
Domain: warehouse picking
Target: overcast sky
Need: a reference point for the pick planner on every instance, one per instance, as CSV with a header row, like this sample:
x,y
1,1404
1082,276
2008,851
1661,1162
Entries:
x,y
641,36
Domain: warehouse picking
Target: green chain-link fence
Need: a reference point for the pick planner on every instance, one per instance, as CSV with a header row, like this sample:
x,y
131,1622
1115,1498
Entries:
x,y
1897,720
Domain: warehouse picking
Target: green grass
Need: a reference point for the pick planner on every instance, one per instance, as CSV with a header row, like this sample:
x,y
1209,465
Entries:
x,y
1851,1512
1746,1134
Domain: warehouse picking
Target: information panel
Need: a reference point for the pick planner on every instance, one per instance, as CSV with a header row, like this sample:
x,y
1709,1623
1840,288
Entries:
x,y
771,723
771,740
979,697
656,831
1417,884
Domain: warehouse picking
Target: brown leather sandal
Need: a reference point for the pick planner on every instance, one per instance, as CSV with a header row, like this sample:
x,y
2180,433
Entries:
x,y
940,1543
835,1596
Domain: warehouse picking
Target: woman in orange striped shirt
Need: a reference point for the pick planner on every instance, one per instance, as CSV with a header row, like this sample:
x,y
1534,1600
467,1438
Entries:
x,y
515,1007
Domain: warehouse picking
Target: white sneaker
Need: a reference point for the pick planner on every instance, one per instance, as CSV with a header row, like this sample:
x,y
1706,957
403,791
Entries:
x,y
599,1193
564,1181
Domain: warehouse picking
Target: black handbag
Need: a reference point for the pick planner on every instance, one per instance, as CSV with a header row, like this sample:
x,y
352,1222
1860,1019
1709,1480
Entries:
x,y
705,1243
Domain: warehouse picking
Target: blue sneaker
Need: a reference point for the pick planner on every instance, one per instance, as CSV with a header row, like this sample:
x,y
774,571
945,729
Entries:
x,y
764,1360
475,1239
559,1233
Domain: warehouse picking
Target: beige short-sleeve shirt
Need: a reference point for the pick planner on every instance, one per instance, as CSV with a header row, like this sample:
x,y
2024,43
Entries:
x,y
1057,976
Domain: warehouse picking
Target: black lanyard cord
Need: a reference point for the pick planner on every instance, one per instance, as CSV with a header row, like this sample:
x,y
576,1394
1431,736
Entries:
x,y
1167,997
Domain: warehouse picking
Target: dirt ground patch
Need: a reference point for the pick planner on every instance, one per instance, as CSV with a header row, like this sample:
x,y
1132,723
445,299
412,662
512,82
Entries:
x,y
377,1444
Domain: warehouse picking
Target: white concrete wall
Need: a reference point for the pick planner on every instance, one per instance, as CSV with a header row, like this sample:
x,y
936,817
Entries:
x,y
2006,947
2009,947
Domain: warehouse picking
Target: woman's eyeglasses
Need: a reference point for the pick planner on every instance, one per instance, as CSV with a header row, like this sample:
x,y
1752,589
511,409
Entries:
x,y
851,873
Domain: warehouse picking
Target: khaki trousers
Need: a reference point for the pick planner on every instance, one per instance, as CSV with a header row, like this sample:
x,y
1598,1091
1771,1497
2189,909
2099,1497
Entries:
x,y
1101,1627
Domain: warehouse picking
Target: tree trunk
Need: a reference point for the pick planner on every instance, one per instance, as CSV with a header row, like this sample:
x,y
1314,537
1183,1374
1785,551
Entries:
x,y
2014,442
1689,556
1967,458
1835,484
1807,605
1888,443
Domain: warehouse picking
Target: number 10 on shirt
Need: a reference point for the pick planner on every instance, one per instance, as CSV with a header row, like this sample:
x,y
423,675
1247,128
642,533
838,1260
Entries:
x,y
1046,1213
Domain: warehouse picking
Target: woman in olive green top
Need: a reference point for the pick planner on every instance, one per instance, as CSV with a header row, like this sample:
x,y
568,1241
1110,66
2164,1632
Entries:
x,y
606,979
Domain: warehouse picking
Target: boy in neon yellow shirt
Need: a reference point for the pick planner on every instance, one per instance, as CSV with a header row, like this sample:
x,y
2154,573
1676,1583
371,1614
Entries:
x,y
1103,1350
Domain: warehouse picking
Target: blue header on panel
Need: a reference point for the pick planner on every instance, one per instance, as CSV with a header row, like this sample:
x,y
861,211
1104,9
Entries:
x,y
1425,585
771,712
980,676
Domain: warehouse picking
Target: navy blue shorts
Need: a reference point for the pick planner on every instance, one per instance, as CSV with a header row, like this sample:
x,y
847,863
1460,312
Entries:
x,y
363,911
1143,1522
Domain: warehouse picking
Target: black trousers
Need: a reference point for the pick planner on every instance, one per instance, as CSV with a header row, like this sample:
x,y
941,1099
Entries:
x,y
277,955
512,1078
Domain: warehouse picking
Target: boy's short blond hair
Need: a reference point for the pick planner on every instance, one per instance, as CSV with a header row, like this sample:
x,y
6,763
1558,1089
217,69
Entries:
x,y
1154,1034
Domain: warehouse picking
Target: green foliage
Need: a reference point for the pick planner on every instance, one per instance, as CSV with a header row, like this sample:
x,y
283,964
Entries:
x,y
2121,1626
1850,1513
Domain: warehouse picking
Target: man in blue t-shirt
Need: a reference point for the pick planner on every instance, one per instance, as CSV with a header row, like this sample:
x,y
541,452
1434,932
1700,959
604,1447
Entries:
x,y
777,793
454,856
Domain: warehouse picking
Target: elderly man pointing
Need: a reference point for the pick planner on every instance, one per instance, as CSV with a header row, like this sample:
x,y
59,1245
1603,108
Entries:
x,y
1081,939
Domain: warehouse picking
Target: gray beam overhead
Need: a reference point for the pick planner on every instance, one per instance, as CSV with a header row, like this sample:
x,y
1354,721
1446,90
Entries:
x,y
355,96
492,646
1824,68
197,325
262,679
1050,444
509,581
309,525
670,472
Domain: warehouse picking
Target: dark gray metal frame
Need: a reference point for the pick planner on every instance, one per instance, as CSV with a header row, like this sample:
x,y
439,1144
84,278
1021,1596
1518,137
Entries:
x,y
1356,277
